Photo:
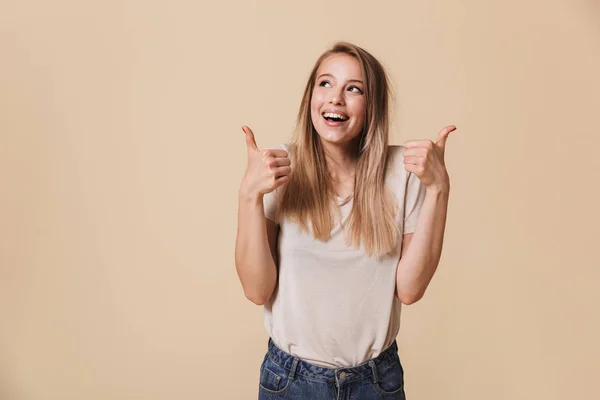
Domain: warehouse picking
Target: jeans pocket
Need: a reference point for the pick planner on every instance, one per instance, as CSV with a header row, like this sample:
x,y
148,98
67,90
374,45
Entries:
x,y
274,378
391,379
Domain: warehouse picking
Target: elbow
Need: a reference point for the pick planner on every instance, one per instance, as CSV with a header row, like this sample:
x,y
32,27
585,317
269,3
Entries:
x,y
257,289
258,300
410,298
409,293
257,297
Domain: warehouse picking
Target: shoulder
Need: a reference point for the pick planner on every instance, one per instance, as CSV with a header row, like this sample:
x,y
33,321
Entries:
x,y
396,174
395,150
396,156
280,146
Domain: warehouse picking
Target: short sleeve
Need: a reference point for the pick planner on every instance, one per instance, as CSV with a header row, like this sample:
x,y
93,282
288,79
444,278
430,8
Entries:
x,y
270,199
414,198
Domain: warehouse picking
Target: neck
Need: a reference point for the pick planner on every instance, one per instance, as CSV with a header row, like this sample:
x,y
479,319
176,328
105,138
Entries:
x,y
341,158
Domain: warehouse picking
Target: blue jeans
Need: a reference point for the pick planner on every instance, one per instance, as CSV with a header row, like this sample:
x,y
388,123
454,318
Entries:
x,y
284,376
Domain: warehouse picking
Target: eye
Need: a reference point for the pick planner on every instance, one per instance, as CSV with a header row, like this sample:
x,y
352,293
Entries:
x,y
357,89
323,83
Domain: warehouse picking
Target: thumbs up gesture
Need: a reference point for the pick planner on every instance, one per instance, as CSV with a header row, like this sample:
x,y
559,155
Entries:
x,y
425,159
267,169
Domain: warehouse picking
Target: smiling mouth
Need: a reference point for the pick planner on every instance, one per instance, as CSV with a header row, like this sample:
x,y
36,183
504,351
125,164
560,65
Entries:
x,y
334,118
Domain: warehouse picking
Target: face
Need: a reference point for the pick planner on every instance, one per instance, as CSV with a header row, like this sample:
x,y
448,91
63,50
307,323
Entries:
x,y
338,102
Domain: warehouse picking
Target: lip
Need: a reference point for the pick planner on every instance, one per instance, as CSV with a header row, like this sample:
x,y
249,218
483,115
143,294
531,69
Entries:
x,y
335,112
334,123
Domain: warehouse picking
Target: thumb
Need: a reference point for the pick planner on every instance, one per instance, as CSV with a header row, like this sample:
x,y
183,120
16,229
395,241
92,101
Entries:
x,y
250,141
443,136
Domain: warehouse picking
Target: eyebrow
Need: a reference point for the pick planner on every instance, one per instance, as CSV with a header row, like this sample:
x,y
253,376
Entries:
x,y
349,80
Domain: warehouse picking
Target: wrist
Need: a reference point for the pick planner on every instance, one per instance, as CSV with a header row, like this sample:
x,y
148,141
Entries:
x,y
443,189
250,197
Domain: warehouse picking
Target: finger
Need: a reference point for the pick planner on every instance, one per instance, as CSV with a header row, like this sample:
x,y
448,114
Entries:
x,y
410,168
416,143
411,160
280,162
250,141
281,171
415,151
275,153
443,136
281,180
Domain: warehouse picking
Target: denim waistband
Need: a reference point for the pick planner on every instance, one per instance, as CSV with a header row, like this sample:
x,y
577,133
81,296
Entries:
x,y
309,370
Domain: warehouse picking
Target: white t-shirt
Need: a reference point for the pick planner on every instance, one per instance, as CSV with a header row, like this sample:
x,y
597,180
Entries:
x,y
335,306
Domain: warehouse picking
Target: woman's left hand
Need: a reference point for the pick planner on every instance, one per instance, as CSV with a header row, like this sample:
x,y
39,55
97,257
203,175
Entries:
x,y
425,159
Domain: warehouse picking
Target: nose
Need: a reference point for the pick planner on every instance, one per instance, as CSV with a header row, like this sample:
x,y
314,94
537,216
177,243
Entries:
x,y
337,98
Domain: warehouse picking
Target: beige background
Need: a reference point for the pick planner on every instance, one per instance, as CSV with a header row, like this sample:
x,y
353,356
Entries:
x,y
122,154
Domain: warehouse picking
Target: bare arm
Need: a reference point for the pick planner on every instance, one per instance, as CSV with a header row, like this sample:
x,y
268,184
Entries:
x,y
416,267
406,239
421,252
256,256
256,250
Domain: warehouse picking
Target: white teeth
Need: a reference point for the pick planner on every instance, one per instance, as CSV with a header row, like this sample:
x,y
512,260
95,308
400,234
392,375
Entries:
x,y
334,115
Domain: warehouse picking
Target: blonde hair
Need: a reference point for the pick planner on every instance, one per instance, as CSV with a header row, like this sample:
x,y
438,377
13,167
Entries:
x,y
309,196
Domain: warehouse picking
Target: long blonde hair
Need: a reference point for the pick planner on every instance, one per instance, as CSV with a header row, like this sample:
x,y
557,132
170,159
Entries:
x,y
309,196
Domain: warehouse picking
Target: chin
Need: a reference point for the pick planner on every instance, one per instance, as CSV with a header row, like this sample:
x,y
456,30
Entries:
x,y
333,136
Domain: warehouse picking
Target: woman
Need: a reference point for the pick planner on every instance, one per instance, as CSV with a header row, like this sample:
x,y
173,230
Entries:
x,y
336,230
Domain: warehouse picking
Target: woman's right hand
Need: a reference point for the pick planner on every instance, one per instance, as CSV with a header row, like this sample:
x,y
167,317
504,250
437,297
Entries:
x,y
267,169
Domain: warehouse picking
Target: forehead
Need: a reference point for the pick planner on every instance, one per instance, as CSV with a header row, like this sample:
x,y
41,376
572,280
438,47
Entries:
x,y
341,66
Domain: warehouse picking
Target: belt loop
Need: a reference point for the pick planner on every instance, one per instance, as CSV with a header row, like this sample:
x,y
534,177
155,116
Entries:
x,y
293,369
374,368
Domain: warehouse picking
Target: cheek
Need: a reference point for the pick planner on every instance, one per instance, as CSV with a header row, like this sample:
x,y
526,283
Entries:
x,y
359,110
314,112
317,98
315,105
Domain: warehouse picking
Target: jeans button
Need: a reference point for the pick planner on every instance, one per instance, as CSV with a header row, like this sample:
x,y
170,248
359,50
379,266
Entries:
x,y
342,375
